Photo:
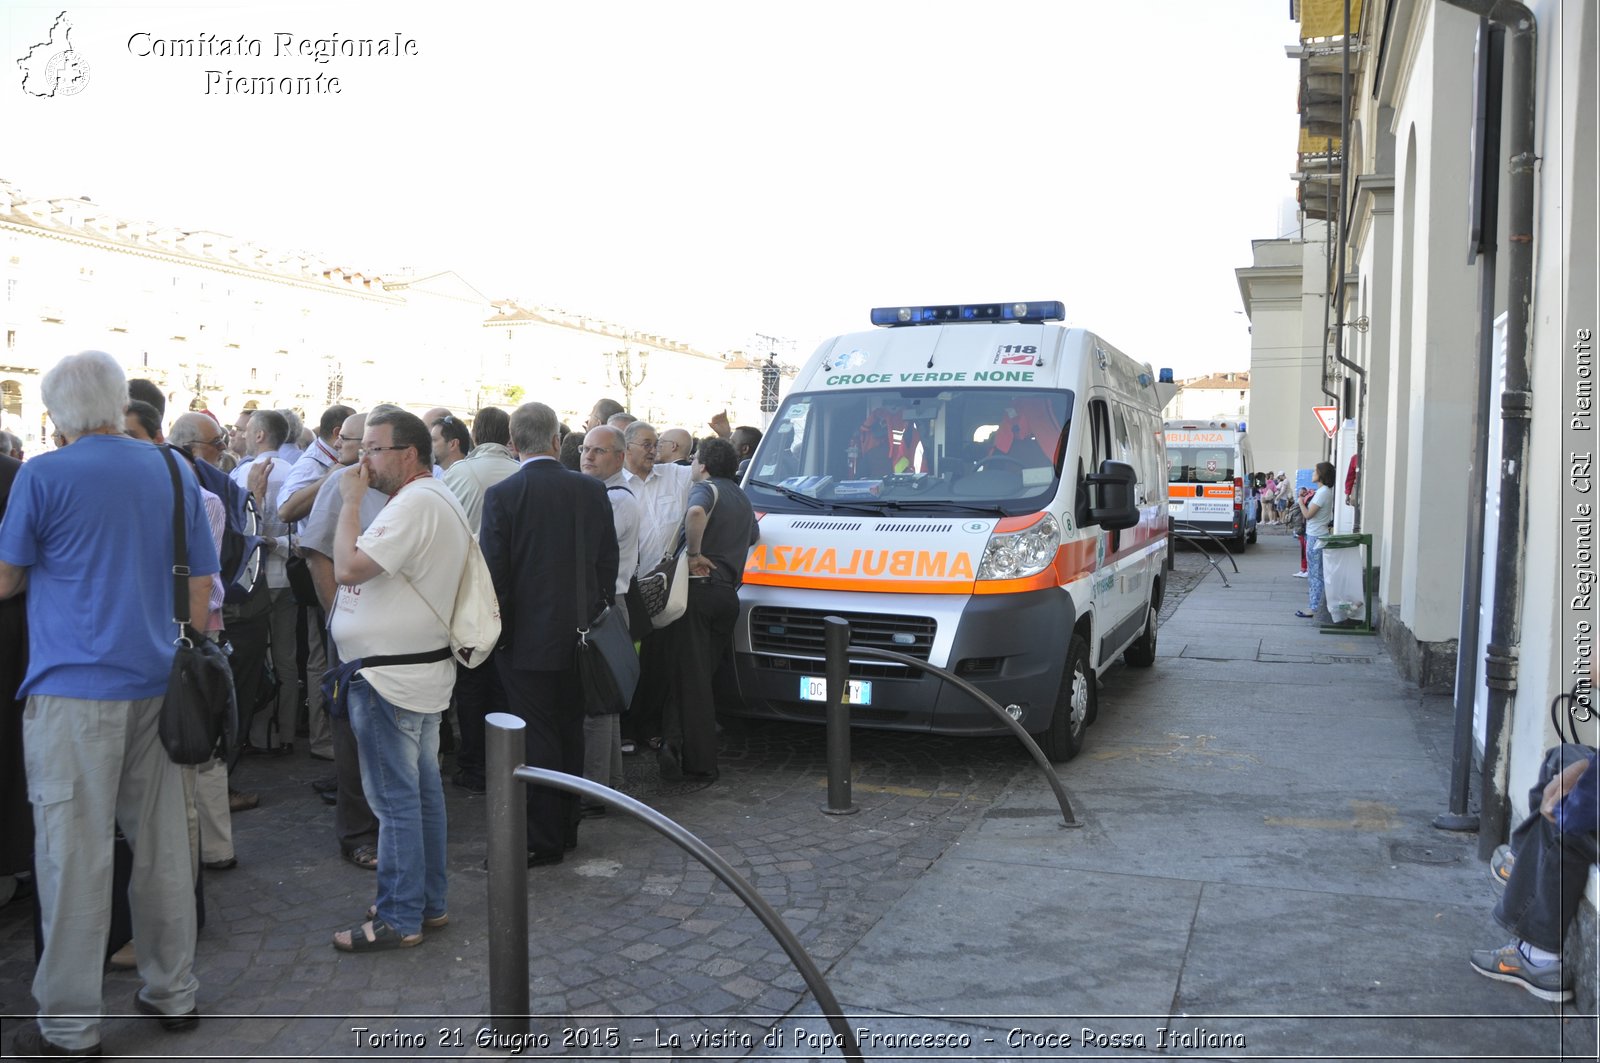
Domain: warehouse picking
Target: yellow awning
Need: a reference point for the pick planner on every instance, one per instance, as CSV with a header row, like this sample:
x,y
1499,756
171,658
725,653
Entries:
x,y
1325,18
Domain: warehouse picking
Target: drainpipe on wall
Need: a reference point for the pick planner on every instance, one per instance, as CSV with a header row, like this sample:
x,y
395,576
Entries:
x,y
1459,816
1328,221
1347,204
1516,405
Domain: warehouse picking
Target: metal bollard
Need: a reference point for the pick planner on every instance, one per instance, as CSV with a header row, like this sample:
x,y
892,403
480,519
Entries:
x,y
508,873
836,641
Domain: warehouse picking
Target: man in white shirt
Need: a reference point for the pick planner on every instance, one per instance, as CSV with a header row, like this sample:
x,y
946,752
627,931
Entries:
x,y
663,494
294,499
601,457
662,491
266,430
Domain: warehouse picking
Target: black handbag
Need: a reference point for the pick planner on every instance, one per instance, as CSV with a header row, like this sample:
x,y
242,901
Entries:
x,y
639,624
198,714
608,666
301,584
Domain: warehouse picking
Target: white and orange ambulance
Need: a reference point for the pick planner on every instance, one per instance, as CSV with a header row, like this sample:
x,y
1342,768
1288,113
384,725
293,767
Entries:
x,y
1210,481
974,486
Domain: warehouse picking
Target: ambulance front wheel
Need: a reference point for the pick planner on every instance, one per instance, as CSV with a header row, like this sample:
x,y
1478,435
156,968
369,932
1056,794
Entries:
x,y
1075,706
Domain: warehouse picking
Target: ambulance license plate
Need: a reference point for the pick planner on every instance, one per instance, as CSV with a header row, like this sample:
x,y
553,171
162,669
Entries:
x,y
815,688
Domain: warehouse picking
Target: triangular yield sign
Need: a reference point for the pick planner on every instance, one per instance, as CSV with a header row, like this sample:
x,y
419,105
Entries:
x,y
1327,416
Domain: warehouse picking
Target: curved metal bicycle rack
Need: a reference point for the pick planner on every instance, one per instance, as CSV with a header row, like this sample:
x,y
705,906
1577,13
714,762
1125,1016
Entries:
x,y
1067,816
1207,553
508,879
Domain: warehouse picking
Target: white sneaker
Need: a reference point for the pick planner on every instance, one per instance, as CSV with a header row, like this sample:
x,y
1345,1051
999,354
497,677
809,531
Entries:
x,y
1302,575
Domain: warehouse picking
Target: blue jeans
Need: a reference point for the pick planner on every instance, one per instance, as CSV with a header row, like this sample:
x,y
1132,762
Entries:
x,y
399,752
1314,571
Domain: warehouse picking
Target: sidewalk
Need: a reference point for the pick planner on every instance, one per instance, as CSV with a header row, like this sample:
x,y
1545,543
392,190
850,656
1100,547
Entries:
x,y
1256,862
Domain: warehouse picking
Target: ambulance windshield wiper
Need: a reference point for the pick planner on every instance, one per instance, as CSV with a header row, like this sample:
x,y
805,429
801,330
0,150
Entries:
x,y
943,506
808,500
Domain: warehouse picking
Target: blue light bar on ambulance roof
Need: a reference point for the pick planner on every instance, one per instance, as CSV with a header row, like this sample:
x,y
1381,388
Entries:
x,y
893,316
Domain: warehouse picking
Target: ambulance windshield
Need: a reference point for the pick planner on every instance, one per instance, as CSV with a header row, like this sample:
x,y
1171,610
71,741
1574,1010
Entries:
x,y
982,450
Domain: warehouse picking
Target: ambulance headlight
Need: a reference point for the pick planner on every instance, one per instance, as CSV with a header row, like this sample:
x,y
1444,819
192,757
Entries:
x,y
1012,555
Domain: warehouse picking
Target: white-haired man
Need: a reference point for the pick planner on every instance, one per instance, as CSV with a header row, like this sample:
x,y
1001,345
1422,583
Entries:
x,y
601,457
94,691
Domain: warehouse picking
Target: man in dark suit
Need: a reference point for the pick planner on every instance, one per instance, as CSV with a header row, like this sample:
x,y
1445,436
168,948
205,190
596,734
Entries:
x,y
529,539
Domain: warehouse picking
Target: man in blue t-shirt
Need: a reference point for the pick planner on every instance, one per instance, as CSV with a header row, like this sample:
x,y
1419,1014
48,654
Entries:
x,y
100,609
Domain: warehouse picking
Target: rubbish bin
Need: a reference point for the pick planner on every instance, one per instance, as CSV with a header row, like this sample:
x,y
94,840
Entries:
x,y
1346,576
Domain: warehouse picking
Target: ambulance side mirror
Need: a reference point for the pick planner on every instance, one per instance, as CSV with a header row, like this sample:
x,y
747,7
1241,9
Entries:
x,y
1111,496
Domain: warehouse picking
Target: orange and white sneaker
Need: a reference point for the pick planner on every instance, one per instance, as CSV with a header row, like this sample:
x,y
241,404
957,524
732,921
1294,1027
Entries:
x,y
1500,866
1509,964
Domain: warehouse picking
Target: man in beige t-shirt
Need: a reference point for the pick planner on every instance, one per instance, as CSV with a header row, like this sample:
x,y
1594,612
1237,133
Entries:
x,y
395,579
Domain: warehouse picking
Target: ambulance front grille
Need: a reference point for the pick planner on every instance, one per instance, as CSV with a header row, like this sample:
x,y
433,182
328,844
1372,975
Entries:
x,y
903,526
783,632
826,525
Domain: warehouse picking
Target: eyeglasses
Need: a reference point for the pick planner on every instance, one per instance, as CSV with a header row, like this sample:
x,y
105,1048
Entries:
x,y
586,451
349,439
367,452
643,446
218,442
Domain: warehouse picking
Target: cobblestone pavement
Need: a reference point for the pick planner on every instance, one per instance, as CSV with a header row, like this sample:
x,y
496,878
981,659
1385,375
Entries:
x,y
628,925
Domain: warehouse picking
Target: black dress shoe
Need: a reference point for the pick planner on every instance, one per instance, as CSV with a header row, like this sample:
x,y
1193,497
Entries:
x,y
31,1043
329,797
325,785
671,765
538,859
170,1023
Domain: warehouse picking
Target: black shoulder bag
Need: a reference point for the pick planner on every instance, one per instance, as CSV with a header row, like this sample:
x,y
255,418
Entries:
x,y
199,714
608,666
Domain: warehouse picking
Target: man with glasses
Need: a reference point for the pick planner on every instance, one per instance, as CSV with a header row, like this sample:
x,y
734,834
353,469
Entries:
x,y
601,457
674,447
295,496
354,825
299,488
662,490
663,493
411,555
268,430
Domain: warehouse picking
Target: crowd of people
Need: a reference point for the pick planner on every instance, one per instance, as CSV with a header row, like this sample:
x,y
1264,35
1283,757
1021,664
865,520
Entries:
x,y
366,525
367,529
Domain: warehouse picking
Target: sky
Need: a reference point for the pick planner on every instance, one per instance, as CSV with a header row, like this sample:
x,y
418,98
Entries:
x,y
710,171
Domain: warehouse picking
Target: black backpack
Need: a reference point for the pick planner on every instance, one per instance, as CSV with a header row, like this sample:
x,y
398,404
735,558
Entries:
x,y
242,553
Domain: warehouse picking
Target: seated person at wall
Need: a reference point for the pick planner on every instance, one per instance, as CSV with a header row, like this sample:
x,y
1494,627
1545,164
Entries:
x,y
1544,871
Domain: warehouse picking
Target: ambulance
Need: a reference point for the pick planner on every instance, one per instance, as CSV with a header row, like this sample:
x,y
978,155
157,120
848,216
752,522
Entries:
x,y
974,486
1210,472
